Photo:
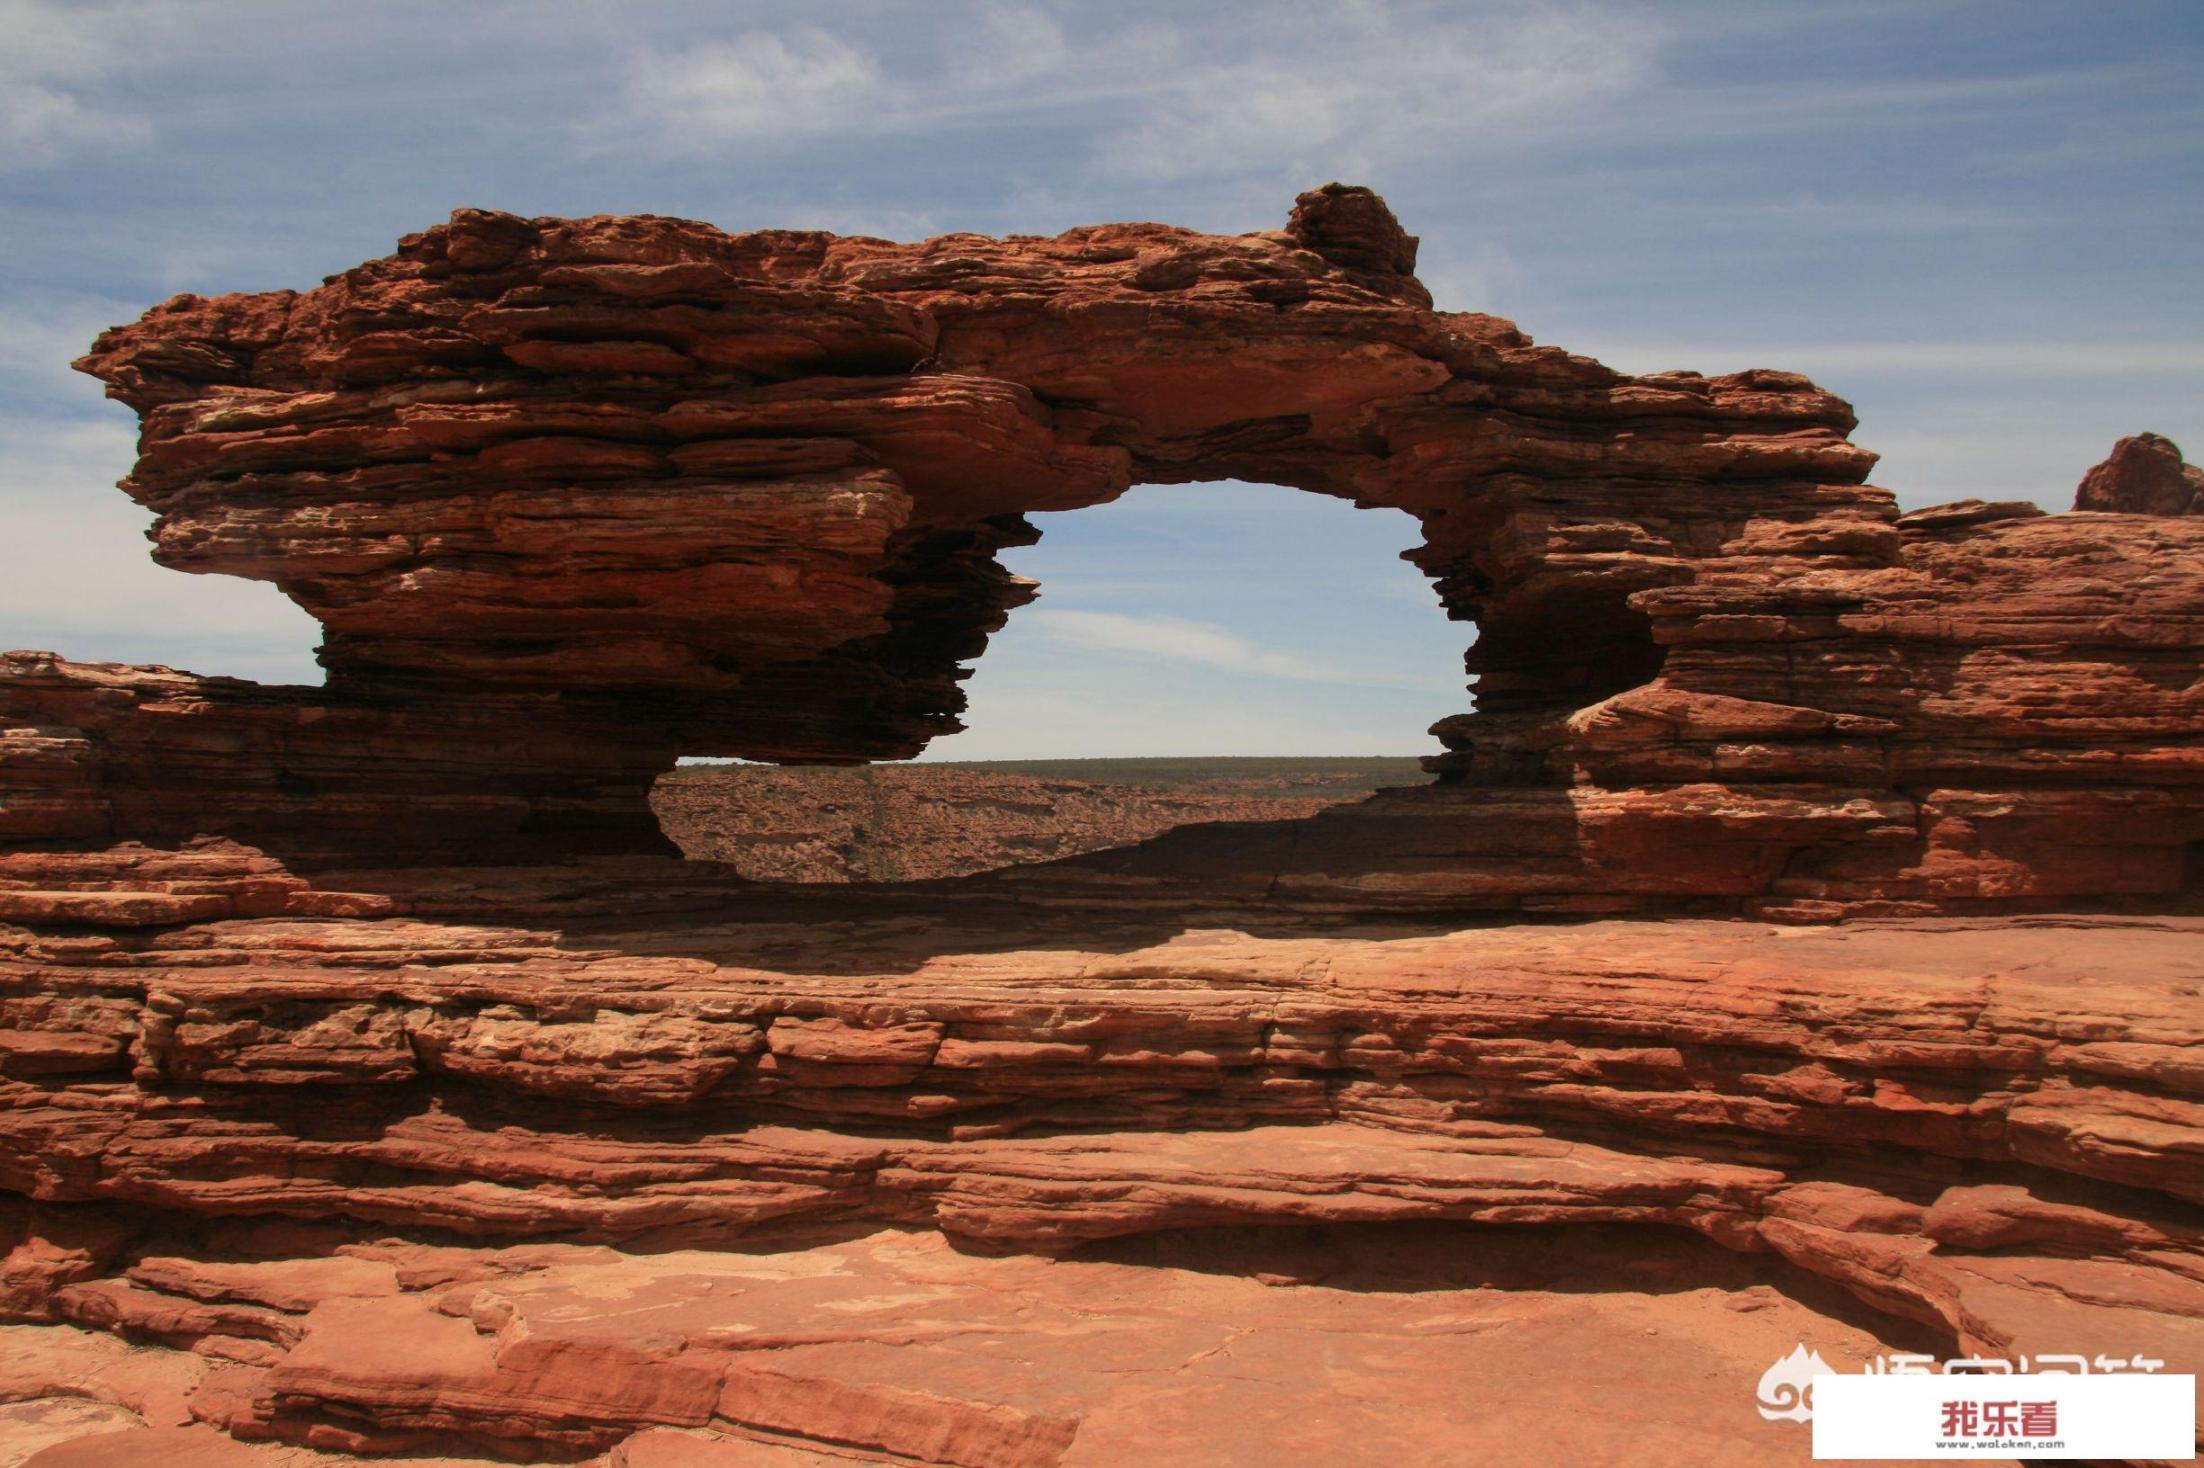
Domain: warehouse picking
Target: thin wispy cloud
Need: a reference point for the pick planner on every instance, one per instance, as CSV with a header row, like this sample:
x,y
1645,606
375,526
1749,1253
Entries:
x,y
1877,102
887,224
1479,277
1345,88
88,589
1882,216
2011,359
756,85
687,97
1182,640
1368,85
1015,45
48,55
1342,88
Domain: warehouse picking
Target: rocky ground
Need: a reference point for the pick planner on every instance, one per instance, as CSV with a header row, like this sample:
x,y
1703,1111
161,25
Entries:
x,y
1344,1344
851,1176
905,823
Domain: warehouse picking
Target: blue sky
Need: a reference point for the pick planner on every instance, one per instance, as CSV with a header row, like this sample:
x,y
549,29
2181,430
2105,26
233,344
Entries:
x,y
1978,220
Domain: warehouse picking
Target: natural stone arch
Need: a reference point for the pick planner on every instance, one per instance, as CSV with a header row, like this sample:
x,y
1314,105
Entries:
x,y
449,456
595,493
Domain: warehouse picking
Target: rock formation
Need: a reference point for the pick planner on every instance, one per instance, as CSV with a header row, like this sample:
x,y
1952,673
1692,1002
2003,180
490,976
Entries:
x,y
367,1059
2144,475
575,498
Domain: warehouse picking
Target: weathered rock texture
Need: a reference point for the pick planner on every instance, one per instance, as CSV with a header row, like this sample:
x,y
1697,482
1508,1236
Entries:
x,y
2145,475
389,1144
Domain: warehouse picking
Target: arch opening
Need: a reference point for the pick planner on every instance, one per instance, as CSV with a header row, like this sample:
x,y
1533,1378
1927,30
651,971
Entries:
x,y
1191,653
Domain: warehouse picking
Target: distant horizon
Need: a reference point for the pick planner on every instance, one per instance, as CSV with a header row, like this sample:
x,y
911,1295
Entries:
x,y
691,762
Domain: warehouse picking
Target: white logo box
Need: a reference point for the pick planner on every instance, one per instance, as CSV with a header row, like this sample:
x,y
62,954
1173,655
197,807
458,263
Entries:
x,y
2122,1415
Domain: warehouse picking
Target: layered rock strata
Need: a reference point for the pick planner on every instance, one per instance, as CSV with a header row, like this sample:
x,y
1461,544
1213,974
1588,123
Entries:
x,y
1985,1135
367,1054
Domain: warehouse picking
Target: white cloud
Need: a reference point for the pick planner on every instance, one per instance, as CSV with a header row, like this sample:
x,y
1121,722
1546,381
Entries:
x,y
1328,90
1183,640
80,581
1353,88
884,223
40,124
1356,87
1014,43
51,52
1479,277
64,41
757,85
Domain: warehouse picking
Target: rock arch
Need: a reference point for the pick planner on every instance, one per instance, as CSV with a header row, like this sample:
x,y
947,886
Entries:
x,y
572,497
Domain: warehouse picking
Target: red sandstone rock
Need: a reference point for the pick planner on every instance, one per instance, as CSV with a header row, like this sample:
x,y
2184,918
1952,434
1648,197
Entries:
x,y
1837,1098
2144,475
1967,512
387,1145
887,1341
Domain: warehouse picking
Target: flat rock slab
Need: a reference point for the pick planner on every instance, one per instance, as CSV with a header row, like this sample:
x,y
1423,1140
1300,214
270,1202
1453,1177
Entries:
x,y
1346,1345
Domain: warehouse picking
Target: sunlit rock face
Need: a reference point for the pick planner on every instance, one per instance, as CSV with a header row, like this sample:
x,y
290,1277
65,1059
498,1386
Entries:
x,y
367,1049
